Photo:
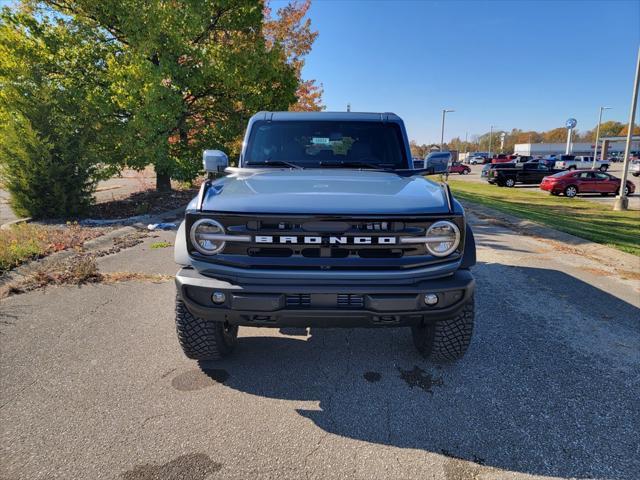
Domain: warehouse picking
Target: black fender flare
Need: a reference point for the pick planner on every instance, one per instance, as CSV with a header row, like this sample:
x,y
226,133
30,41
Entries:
x,y
469,253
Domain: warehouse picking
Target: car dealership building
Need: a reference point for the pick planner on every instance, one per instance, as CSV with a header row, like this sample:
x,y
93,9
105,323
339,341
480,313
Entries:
x,y
609,145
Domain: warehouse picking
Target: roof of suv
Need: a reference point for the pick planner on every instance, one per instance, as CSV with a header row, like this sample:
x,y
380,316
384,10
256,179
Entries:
x,y
327,116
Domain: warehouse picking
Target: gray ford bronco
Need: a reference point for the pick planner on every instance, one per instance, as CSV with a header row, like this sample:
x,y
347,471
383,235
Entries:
x,y
325,223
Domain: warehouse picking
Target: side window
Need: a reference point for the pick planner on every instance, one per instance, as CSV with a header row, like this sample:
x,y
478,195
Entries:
x,y
542,167
585,175
602,176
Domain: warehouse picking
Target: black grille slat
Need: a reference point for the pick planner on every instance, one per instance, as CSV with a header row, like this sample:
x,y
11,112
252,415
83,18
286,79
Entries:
x,y
299,300
348,300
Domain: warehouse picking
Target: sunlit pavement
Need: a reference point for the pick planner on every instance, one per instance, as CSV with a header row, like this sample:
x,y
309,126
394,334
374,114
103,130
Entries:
x,y
93,384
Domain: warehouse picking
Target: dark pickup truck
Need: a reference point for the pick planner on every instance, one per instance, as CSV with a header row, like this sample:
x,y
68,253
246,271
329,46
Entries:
x,y
530,173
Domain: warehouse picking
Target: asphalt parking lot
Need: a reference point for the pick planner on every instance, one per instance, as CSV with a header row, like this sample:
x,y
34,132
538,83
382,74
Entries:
x,y
615,170
93,384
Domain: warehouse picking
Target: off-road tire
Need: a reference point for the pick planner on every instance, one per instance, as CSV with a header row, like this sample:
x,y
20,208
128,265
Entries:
x,y
203,339
446,340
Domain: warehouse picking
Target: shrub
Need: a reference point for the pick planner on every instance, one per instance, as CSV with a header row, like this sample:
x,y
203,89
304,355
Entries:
x,y
45,181
57,131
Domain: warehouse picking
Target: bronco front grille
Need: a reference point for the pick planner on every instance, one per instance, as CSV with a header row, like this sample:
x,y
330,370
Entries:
x,y
327,242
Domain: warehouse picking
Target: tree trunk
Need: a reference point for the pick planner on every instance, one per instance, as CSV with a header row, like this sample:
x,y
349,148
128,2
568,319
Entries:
x,y
163,182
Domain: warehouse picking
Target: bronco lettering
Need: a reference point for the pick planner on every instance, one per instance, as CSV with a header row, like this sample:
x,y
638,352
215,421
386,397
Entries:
x,y
330,240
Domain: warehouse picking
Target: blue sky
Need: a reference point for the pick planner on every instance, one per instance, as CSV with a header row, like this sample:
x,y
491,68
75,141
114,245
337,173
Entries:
x,y
528,65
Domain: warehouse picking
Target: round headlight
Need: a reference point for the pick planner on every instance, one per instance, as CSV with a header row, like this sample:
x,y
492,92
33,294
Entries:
x,y
444,238
205,236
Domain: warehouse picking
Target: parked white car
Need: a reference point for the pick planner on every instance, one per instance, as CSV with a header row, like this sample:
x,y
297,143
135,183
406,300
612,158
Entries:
x,y
582,162
475,160
634,168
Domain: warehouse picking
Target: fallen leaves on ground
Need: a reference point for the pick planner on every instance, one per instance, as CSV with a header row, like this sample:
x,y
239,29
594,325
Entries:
x,y
78,270
28,241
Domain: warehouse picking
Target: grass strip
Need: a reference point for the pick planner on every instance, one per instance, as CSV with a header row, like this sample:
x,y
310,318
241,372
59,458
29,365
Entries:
x,y
579,217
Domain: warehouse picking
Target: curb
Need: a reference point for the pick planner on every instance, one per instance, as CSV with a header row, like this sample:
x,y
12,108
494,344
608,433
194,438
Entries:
x,y
136,221
17,221
105,240
580,245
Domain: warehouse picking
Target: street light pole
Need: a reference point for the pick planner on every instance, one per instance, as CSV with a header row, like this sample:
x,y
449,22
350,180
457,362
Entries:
x,y
595,152
622,202
444,112
490,139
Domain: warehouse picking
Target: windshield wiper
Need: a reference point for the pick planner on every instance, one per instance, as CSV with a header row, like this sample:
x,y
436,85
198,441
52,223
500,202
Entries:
x,y
373,166
276,163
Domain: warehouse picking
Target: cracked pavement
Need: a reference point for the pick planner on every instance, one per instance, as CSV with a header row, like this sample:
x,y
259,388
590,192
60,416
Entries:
x,y
93,384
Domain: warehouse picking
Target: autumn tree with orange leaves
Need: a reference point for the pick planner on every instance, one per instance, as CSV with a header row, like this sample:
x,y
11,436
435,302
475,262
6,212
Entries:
x,y
291,28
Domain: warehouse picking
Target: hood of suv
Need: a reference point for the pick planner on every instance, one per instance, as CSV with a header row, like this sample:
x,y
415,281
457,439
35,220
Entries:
x,y
323,191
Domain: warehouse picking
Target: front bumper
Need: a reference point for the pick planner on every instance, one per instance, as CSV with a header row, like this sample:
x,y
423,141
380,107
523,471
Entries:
x,y
282,303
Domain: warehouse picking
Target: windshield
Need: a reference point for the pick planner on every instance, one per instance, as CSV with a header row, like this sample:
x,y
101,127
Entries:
x,y
326,143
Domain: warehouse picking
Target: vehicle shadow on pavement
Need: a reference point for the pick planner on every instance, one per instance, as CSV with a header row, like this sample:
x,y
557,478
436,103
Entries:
x,y
547,388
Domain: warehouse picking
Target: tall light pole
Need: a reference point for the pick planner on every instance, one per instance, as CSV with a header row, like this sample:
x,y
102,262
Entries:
x,y
622,202
595,151
490,139
444,112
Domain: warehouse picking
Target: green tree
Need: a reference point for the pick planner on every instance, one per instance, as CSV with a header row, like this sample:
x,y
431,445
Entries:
x,y
490,139
187,75
556,135
607,129
419,151
55,127
625,130
292,30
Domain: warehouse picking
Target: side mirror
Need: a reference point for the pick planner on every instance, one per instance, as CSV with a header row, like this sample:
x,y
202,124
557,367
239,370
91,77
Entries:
x,y
436,164
214,161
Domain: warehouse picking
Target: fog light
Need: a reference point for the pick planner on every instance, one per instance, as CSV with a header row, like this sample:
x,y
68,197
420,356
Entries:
x,y
431,299
220,297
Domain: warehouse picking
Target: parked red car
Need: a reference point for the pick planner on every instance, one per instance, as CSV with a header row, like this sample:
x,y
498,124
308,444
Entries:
x,y
572,182
457,167
503,158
